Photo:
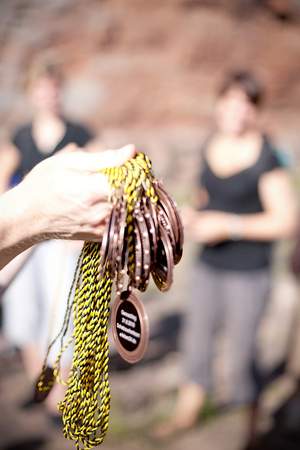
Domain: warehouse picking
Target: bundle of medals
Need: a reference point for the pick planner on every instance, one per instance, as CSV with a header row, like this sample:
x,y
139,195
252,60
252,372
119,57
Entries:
x,y
144,236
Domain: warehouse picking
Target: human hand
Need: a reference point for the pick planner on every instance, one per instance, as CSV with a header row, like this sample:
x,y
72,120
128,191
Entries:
x,y
188,216
67,196
209,227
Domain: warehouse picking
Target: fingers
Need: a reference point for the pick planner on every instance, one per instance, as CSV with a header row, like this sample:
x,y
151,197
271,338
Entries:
x,y
94,224
70,148
92,235
99,214
94,162
189,216
113,158
97,187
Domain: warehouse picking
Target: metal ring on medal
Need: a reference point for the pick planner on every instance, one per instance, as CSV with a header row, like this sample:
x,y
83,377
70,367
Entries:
x,y
130,326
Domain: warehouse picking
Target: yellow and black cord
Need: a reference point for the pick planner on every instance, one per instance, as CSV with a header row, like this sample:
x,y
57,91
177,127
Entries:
x,y
85,408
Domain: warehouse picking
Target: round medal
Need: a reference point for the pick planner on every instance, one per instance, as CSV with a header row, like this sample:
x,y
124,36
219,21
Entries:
x,y
130,327
162,271
151,231
146,253
170,205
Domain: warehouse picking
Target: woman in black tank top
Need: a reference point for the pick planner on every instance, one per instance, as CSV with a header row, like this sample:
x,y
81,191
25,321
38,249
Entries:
x,y
245,203
238,194
47,133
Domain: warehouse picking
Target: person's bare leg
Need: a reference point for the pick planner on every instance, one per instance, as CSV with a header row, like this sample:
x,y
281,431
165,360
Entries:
x,y
190,401
203,314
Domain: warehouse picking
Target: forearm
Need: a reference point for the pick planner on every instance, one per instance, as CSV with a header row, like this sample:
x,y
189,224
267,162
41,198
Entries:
x,y
20,228
9,162
4,182
280,216
264,226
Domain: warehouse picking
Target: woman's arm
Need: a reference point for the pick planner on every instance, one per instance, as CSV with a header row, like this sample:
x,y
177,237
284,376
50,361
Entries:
x,y
277,221
64,197
9,161
18,228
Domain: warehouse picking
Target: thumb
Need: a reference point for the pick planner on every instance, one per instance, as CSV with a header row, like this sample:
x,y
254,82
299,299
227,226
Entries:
x,y
114,158
96,161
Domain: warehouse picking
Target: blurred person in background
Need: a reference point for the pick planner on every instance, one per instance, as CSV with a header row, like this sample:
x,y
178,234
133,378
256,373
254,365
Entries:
x,y
46,275
245,202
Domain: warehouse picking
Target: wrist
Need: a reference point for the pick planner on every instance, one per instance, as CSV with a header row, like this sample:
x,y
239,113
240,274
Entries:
x,y
236,229
27,225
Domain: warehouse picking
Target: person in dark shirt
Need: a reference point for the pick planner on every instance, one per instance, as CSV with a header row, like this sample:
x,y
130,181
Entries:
x,y
44,280
245,203
30,154
47,133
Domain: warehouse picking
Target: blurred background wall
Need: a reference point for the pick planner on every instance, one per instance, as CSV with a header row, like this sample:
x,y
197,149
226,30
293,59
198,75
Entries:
x,y
146,71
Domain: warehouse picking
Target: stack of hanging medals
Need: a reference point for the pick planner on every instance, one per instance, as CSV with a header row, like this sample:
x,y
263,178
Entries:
x,y
144,235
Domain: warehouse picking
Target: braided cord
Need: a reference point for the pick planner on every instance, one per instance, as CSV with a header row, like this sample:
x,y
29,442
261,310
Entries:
x,y
85,408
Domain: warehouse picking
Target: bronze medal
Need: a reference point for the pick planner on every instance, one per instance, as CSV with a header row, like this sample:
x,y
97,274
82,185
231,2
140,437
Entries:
x,y
136,280
169,210
162,271
121,250
167,225
152,231
111,232
169,205
130,327
105,241
121,243
153,213
146,253
115,237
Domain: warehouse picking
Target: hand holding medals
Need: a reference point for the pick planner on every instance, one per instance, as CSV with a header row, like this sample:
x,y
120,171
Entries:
x,y
144,237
